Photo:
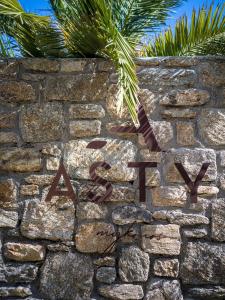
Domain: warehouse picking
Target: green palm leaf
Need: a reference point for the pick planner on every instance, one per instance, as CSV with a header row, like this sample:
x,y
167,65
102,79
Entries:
x,y
204,35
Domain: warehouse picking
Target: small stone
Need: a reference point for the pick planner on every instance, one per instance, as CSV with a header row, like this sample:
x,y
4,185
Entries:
x,y
176,61
178,113
95,237
133,265
18,291
211,293
189,97
78,159
8,138
150,156
161,239
67,276
203,263
166,267
80,88
89,210
129,214
164,290
222,158
207,190
8,218
107,261
169,196
212,126
185,134
72,65
8,194
195,233
40,64
51,149
86,111
40,180
129,234
53,220
8,120
192,160
180,218
218,220
29,190
9,68
52,163
24,252
20,160
85,128
42,122
106,274
16,91
122,291
152,177
15,273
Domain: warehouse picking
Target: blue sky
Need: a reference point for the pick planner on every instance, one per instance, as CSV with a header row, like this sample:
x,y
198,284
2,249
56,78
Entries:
x,y
42,6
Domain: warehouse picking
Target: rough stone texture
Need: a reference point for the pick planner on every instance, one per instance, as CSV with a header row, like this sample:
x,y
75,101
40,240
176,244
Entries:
x,y
212,126
88,210
85,128
72,65
166,267
185,134
8,218
16,91
67,276
178,113
7,120
8,194
161,239
164,290
42,122
82,87
53,220
133,265
212,73
218,220
195,233
192,161
169,196
40,180
212,293
189,97
18,291
40,65
130,214
116,152
95,237
29,190
106,261
179,218
106,274
86,111
51,149
122,291
24,252
222,158
20,160
203,263
8,138
14,273
52,163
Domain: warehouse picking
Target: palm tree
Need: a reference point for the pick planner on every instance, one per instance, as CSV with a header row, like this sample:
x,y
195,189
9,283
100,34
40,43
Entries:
x,y
203,35
88,28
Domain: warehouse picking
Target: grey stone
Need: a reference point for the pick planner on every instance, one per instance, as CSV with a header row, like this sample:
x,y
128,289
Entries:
x,y
42,122
203,263
8,218
195,233
164,290
133,265
128,214
40,64
218,220
107,261
7,120
90,210
16,273
19,291
8,138
67,276
211,293
106,274
178,113
212,73
122,291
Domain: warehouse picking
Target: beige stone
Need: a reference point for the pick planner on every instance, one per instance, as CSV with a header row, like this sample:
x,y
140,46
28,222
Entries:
x,y
85,128
51,149
24,252
218,220
178,113
150,156
41,64
166,267
16,91
122,291
42,122
52,163
78,159
20,160
86,111
212,73
29,190
19,291
185,134
161,239
41,180
8,120
152,177
72,65
8,194
95,237
8,138
9,68
8,218
89,210
169,196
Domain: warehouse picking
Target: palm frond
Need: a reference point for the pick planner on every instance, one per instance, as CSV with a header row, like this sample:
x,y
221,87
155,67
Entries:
x,y
203,35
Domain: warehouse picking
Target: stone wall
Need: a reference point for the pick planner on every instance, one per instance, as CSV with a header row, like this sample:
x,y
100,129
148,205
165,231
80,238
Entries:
x,y
165,249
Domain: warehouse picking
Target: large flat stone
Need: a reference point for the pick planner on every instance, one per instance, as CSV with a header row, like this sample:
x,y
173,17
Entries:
x,y
164,290
169,196
16,91
117,153
24,252
122,291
